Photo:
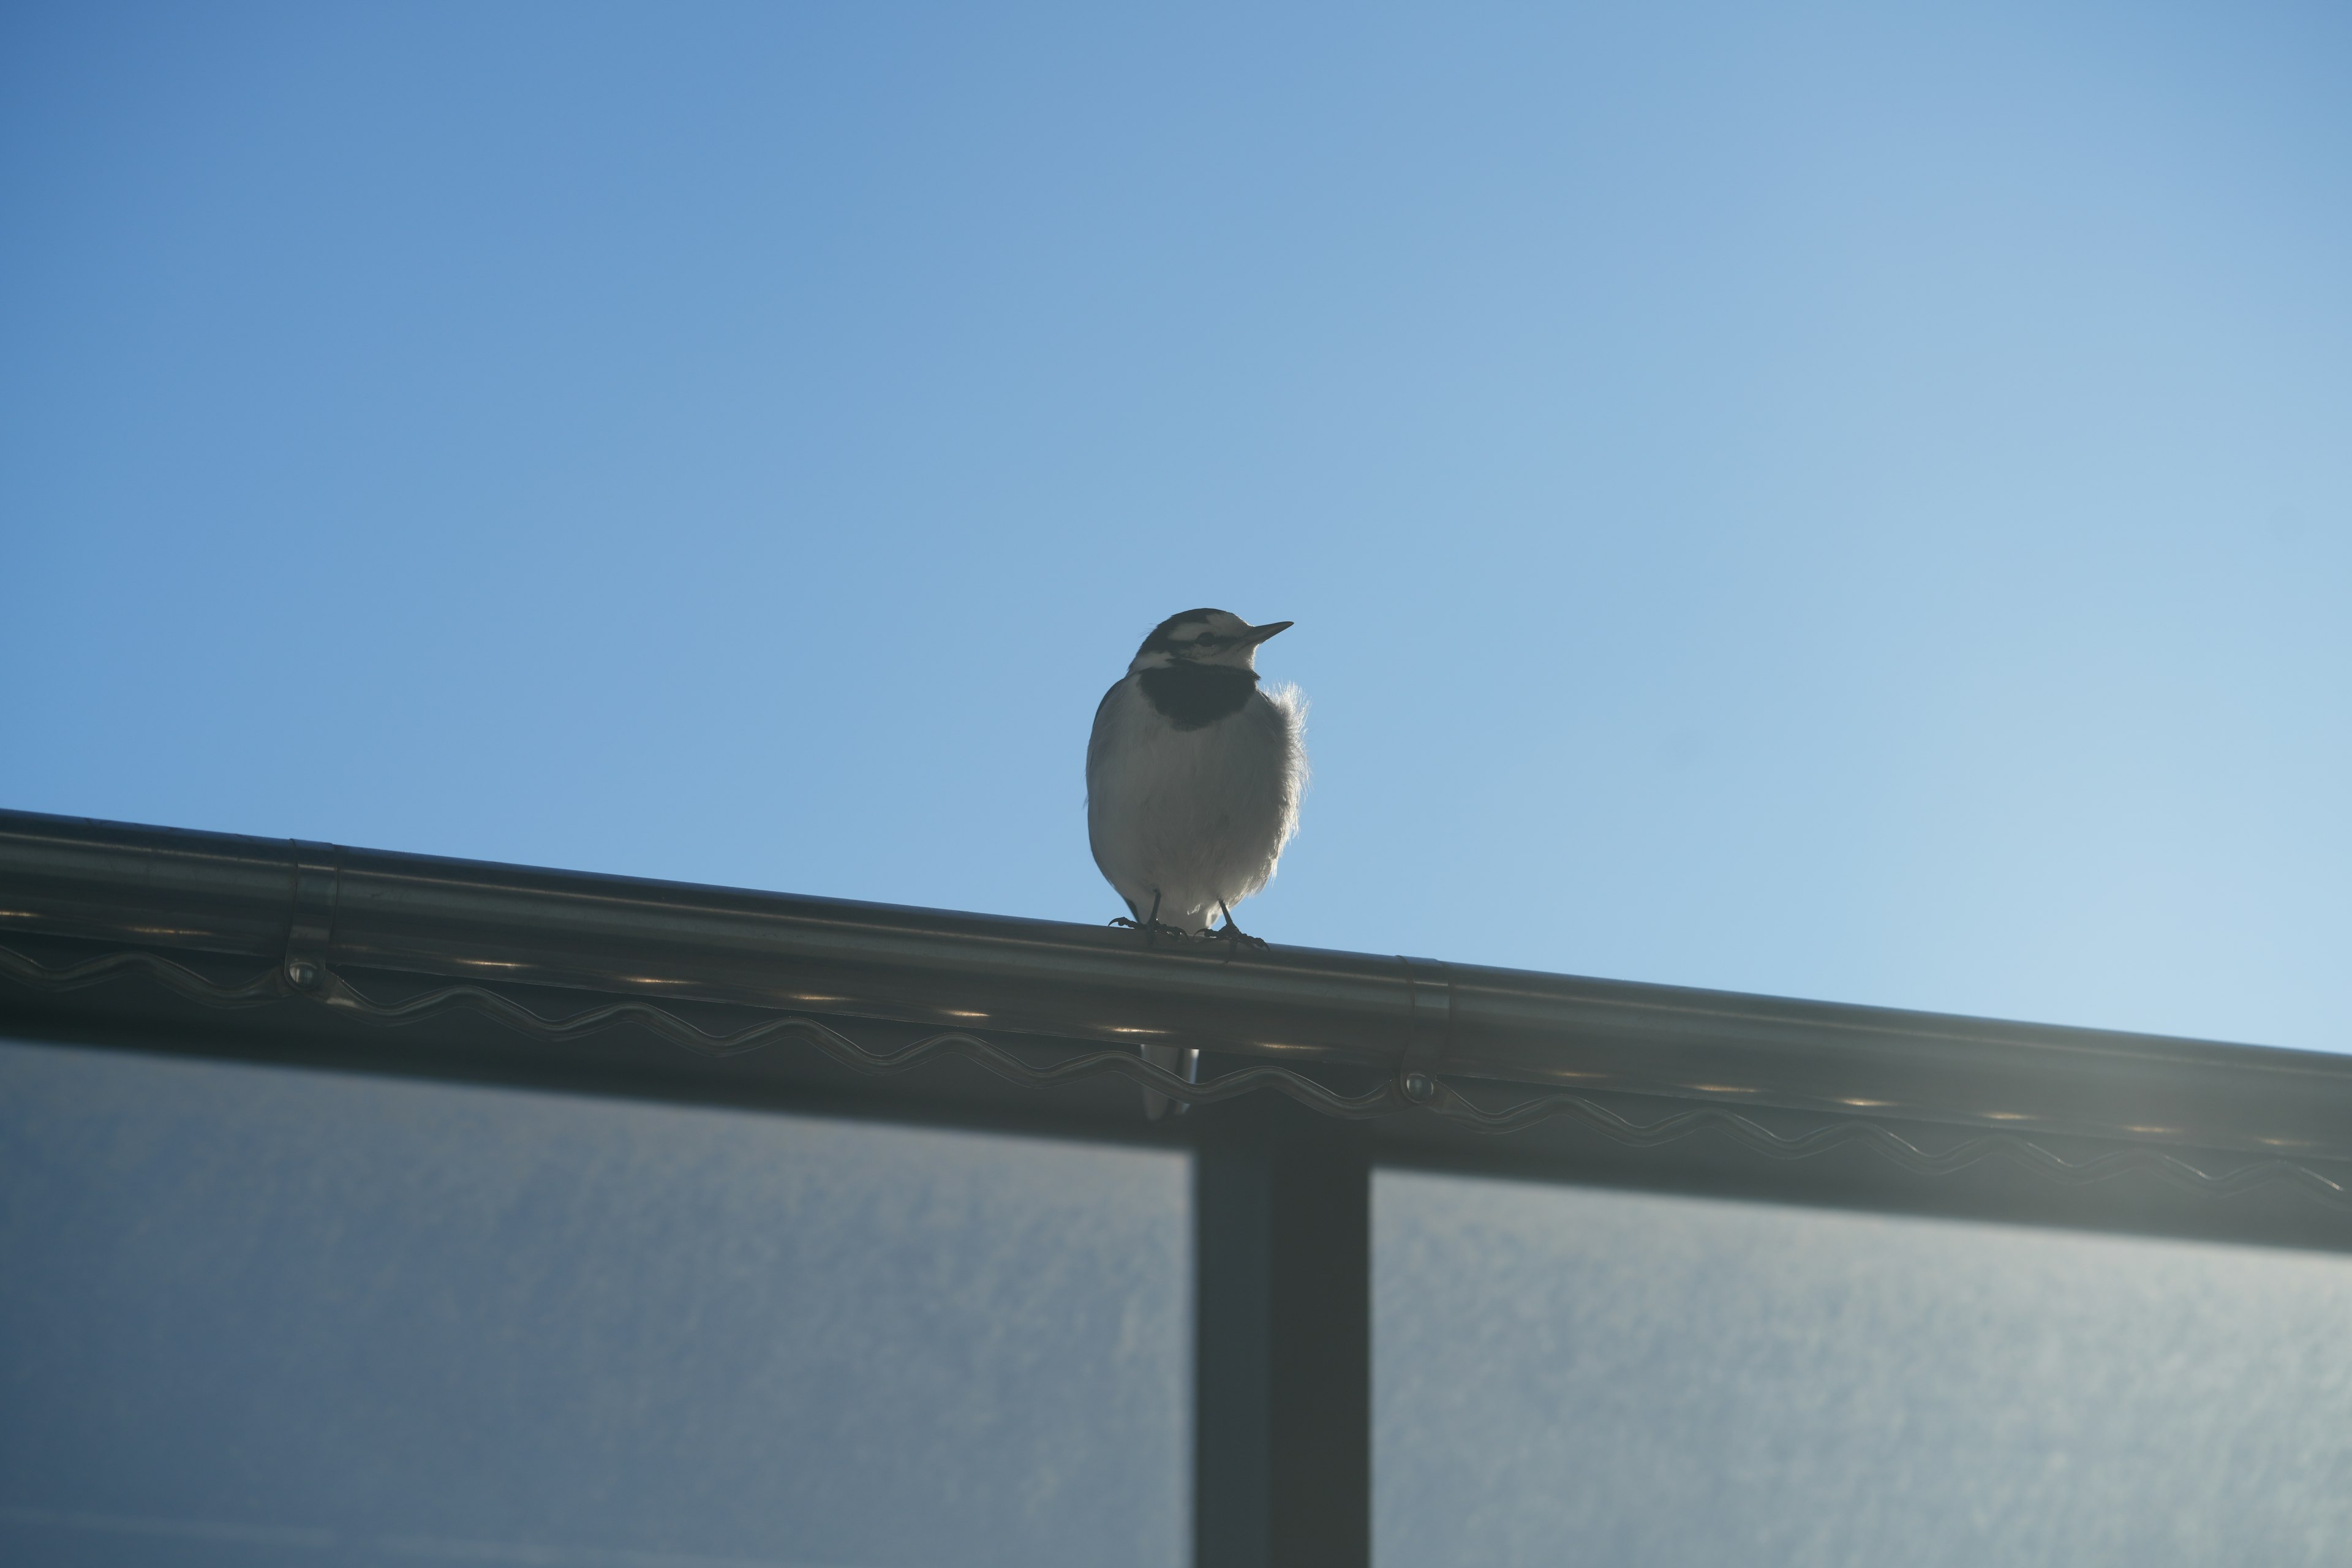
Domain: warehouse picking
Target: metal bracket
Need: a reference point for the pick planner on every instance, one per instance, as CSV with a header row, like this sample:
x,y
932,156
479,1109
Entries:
x,y
1429,1037
315,873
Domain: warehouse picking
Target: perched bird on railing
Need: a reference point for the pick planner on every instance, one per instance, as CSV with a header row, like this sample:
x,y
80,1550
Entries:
x,y
1193,777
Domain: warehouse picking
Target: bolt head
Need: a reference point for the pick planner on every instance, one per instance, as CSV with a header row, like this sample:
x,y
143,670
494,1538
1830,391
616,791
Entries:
x,y
304,975
1420,1088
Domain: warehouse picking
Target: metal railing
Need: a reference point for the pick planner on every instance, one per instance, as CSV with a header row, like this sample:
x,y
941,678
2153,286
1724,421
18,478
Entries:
x,y
1359,1036
286,949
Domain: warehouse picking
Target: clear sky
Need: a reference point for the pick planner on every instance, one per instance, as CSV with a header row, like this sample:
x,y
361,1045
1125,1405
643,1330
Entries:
x,y
1845,502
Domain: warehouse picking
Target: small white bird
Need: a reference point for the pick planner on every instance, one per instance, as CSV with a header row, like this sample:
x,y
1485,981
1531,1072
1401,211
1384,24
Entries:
x,y
1193,775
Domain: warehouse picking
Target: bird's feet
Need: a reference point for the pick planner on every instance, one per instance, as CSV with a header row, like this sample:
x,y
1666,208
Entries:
x,y
1153,930
1153,927
1233,936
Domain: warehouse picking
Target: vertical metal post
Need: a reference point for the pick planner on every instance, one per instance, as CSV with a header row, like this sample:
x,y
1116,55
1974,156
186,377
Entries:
x,y
1282,1472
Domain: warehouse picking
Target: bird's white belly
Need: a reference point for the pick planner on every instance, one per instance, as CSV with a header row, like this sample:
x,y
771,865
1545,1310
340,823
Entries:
x,y
1195,817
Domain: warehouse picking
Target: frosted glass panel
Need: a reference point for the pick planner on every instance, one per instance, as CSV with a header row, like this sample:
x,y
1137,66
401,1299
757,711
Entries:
x,y
1569,1375
259,1315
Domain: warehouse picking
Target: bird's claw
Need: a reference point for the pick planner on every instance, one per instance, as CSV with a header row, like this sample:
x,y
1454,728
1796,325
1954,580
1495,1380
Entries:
x,y
1152,930
1235,940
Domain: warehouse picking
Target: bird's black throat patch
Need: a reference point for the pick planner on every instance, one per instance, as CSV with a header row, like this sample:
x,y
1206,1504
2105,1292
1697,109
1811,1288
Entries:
x,y
1193,696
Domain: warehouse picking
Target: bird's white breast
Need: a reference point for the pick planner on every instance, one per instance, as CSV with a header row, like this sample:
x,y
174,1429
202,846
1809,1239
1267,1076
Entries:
x,y
1198,816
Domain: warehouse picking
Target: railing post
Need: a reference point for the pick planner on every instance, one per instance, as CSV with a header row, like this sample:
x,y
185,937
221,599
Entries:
x,y
1282,1371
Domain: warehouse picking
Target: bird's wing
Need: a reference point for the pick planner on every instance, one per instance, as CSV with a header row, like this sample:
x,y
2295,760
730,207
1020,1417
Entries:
x,y
1282,710
1101,736
1280,713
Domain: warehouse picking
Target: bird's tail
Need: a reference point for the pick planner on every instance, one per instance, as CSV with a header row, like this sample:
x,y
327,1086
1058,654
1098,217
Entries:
x,y
1184,1061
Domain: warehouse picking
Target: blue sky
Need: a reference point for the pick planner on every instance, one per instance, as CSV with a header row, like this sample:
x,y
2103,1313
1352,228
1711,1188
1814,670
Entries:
x,y
1842,502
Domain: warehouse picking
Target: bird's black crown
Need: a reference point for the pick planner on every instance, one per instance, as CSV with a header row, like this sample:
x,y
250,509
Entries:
x,y
1163,636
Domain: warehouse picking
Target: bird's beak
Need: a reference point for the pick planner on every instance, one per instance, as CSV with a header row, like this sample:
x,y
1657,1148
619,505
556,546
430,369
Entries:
x,y
1257,635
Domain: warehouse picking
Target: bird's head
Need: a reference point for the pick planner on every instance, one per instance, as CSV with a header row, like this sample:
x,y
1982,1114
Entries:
x,y
1204,637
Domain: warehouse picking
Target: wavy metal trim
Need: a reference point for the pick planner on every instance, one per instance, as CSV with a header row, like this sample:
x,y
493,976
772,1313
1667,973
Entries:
x,y
333,990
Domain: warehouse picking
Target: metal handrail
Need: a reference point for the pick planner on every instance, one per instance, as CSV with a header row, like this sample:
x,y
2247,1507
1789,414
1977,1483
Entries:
x,y
1432,1028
